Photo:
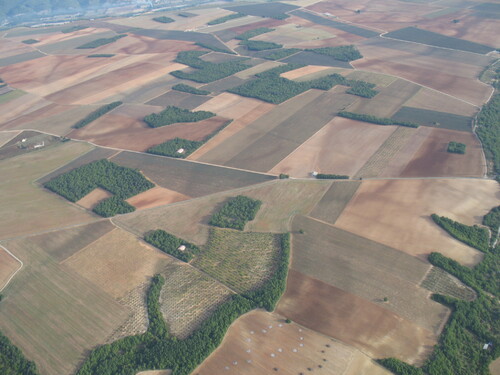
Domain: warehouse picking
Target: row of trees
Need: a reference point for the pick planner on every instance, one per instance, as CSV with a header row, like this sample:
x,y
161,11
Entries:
x,y
488,130
173,115
12,360
253,33
471,324
376,120
101,42
259,45
170,244
236,213
324,176
101,55
474,236
214,48
189,89
341,53
98,112
206,71
157,350
456,148
225,18
281,53
72,29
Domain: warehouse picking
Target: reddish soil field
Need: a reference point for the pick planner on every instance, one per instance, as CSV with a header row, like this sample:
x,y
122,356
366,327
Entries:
x,y
458,80
93,198
341,147
11,48
259,342
115,82
379,14
8,266
373,329
20,106
121,131
432,158
44,112
138,44
156,196
397,213
59,36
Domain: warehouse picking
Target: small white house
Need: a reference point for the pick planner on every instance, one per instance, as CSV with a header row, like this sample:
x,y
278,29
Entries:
x,y
181,248
39,145
487,345
180,151
314,173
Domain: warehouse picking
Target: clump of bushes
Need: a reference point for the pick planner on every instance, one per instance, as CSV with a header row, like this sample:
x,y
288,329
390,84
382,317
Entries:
x,y
341,53
163,19
101,42
236,213
172,146
173,115
170,244
474,236
492,219
456,148
30,41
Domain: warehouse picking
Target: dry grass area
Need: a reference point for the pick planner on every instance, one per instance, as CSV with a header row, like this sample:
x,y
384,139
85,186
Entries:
x,y
436,101
292,35
8,266
156,196
241,260
334,201
376,331
188,298
247,73
397,213
117,262
342,146
37,209
93,198
381,80
439,281
304,71
367,269
433,159
375,166
388,101
54,315
262,343
281,200
19,106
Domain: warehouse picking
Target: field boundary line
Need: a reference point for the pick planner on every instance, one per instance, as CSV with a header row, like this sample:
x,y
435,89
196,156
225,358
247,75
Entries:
x,y
11,138
14,274
86,246
341,20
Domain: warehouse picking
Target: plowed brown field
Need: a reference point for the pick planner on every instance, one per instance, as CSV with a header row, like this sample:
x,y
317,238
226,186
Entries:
x,y
397,213
156,196
353,320
93,198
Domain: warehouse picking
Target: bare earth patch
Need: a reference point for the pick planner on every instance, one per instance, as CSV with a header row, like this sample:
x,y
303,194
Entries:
x,y
341,147
262,343
93,198
297,73
8,266
156,196
397,213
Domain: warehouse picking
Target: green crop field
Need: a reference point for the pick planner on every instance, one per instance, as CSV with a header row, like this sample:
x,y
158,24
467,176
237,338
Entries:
x,y
241,260
434,119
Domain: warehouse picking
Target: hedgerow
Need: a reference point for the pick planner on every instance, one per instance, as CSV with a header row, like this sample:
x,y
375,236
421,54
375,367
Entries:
x,y
488,130
225,18
101,42
474,236
97,113
253,33
189,89
173,115
259,45
281,53
236,213
163,19
376,120
170,244
325,176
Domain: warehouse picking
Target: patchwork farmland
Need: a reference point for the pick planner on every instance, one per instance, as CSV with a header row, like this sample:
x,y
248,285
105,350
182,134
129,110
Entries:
x,y
347,276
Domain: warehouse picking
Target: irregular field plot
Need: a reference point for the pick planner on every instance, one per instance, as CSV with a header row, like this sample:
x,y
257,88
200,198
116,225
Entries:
x,y
6,137
192,179
8,266
432,158
433,100
396,213
179,99
36,209
54,315
241,260
373,329
156,196
93,198
281,200
334,201
64,243
437,119
342,147
367,269
117,262
188,298
246,341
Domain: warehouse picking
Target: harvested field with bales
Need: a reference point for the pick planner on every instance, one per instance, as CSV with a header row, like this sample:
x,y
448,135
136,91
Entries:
x,y
385,211
260,342
355,321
